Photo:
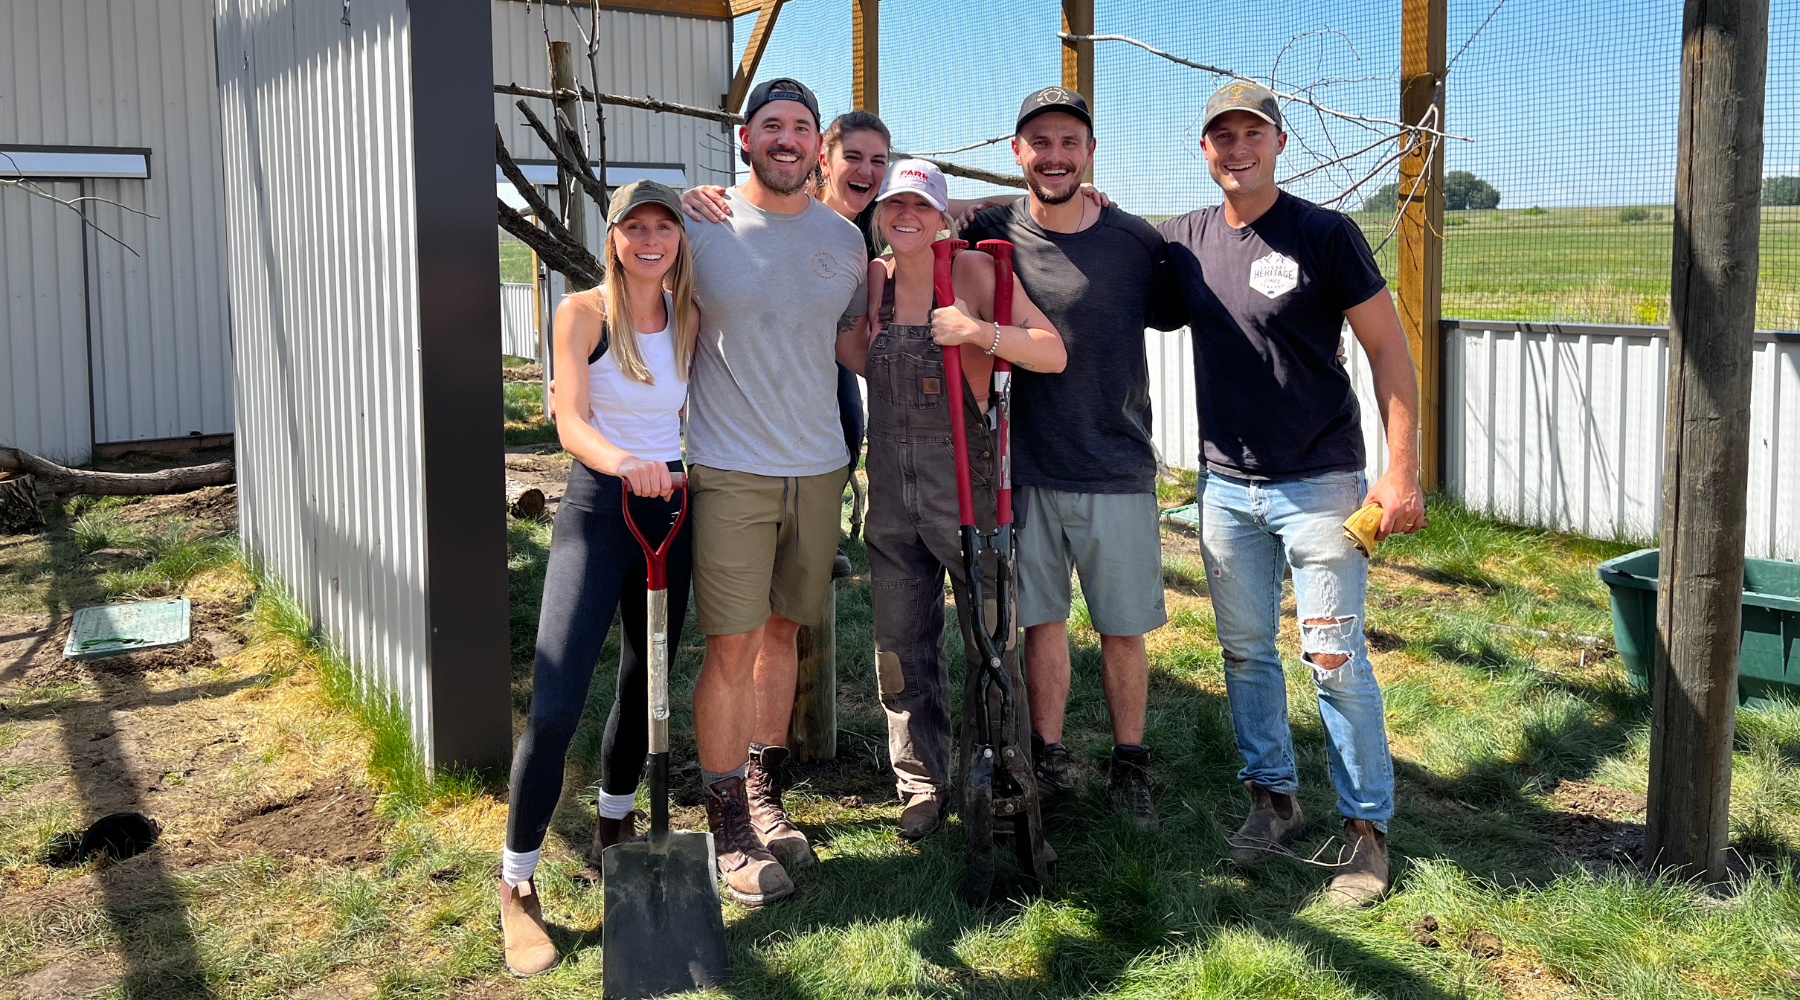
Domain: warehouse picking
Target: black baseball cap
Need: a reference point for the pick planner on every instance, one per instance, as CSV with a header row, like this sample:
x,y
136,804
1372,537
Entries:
x,y
1243,95
781,89
1054,99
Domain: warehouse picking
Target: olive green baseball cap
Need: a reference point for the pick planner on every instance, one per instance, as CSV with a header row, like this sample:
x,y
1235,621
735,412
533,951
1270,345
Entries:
x,y
1243,95
644,193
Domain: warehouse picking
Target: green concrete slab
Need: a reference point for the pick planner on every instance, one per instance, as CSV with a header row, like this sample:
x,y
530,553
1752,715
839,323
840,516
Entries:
x,y
112,629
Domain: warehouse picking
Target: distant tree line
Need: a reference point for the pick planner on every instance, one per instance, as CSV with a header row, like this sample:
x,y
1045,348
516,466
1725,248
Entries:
x,y
1462,191
1781,191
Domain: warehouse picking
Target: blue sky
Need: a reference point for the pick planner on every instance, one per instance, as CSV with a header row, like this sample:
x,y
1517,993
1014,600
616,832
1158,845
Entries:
x,y
1570,103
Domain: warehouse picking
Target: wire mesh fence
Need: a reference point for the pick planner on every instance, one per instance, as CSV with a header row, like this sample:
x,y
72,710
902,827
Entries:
x,y
1563,117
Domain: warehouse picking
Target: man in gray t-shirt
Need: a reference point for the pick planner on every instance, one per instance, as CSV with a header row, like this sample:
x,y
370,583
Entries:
x,y
775,281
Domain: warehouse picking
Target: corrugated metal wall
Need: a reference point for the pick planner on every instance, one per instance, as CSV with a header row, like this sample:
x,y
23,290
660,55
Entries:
x,y
43,305
134,73
518,334
1562,425
682,59
320,195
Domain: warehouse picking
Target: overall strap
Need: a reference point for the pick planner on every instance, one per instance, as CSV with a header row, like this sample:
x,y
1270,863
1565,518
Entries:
x,y
886,312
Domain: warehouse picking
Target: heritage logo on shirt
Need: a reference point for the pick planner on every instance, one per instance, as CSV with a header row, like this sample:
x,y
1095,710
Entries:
x,y
1274,275
825,264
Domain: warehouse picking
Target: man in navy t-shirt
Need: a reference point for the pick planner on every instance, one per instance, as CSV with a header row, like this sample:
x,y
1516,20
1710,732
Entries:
x,y
1270,280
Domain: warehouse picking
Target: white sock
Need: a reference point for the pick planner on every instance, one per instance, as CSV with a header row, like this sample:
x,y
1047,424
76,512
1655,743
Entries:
x,y
616,806
516,867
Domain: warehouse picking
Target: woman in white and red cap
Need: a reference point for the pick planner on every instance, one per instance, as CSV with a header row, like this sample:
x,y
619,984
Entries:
x,y
912,525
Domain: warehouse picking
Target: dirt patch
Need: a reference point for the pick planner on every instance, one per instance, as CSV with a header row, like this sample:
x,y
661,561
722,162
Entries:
x,y
532,372
211,509
336,824
69,977
1596,825
547,470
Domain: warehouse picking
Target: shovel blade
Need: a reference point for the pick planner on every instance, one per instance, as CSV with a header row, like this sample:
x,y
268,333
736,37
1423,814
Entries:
x,y
663,931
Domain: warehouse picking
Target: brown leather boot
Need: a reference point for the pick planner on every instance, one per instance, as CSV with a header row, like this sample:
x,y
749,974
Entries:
x,y
1274,817
1362,874
778,833
608,832
751,874
923,815
529,950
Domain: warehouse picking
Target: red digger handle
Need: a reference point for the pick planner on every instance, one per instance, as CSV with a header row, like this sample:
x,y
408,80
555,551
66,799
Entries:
x,y
656,560
1002,252
945,292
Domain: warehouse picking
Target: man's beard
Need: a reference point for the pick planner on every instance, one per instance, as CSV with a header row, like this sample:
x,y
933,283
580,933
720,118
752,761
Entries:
x,y
1050,197
772,174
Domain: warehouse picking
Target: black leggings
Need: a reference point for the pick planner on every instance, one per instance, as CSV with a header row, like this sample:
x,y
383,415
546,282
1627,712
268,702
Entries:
x,y
850,414
595,567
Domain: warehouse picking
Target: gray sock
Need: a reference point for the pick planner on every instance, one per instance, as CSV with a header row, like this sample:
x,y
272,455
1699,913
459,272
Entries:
x,y
713,777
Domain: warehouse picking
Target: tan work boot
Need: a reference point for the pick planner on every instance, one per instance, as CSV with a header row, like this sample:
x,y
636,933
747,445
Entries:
x,y
608,832
529,950
751,874
923,815
1274,817
1362,874
767,815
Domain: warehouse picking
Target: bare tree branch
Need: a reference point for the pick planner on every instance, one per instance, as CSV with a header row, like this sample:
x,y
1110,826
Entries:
x,y
528,191
641,103
972,173
581,171
573,262
72,204
62,479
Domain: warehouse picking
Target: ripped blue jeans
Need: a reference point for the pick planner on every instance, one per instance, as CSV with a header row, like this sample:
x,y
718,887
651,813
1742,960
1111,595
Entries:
x,y
1250,532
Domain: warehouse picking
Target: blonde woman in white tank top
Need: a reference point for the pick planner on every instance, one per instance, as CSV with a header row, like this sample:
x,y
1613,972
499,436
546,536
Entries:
x,y
622,355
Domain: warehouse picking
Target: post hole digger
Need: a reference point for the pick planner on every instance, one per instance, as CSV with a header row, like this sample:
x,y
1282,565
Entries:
x,y
998,787
664,931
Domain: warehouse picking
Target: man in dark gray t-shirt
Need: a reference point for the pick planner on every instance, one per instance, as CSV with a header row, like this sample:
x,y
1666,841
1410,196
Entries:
x,y
1082,456
1270,280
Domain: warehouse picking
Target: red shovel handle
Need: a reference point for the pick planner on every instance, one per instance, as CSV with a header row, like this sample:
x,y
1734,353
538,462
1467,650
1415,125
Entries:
x,y
1002,252
945,290
656,560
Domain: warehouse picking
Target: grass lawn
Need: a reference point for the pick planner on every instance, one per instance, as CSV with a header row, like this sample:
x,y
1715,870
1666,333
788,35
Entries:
x,y
1521,762
515,259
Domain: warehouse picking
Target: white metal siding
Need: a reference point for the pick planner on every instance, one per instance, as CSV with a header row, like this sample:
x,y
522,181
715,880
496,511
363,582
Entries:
x,y
133,73
518,335
1562,426
682,59
319,189
43,308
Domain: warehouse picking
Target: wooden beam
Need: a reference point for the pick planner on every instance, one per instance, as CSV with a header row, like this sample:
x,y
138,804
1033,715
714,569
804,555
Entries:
x,y
767,11
1420,248
1706,449
1078,57
865,55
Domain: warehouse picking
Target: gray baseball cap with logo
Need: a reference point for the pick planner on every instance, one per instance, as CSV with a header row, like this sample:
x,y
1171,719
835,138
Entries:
x,y
1243,95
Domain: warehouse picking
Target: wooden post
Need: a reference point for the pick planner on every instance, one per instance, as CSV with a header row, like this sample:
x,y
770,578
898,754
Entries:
x,y
812,729
1706,449
865,55
766,13
1420,249
562,78
1078,57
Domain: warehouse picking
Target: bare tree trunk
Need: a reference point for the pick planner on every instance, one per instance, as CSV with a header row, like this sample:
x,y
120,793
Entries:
x,y
65,480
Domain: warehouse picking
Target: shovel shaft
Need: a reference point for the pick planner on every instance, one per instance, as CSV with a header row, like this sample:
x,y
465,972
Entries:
x,y
659,670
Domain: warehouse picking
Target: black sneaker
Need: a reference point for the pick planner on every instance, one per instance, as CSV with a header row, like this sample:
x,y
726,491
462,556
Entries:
x,y
1051,762
1129,786
841,567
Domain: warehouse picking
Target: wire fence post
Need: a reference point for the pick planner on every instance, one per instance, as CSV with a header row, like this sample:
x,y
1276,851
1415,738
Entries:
x,y
1420,256
1706,463
865,55
1078,56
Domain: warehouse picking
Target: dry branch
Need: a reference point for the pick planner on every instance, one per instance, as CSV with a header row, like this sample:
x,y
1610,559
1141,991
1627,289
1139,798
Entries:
x,y
580,170
641,103
61,479
571,261
72,204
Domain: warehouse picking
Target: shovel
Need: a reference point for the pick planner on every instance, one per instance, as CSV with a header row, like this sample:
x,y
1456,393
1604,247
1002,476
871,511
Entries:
x,y
664,931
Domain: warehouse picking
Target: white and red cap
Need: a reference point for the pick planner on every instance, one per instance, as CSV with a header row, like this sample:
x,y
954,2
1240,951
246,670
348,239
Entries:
x,y
921,177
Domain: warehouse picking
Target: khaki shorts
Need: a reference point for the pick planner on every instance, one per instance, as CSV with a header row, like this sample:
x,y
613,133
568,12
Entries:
x,y
1111,540
763,545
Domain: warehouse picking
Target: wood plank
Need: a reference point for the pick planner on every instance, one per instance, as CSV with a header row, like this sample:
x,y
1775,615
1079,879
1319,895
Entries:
x,y
865,55
1712,315
753,53
679,8
1420,247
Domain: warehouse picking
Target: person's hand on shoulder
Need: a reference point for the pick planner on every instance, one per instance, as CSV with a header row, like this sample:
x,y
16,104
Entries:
x,y
705,203
953,325
647,479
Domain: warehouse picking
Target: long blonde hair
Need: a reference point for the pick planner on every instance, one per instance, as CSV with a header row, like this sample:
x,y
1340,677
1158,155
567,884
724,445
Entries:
x,y
684,326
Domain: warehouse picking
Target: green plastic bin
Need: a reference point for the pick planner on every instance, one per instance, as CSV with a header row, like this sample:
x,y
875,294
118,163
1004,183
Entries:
x,y
1769,659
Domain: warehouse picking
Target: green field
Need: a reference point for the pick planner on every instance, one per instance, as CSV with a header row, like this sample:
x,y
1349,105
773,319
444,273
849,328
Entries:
x,y
1586,265
515,260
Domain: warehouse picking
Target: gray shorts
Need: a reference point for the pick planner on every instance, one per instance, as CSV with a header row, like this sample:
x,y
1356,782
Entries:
x,y
1112,539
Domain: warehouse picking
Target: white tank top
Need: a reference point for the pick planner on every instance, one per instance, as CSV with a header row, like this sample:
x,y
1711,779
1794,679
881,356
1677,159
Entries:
x,y
644,420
